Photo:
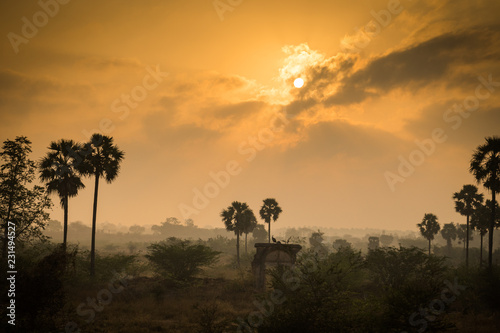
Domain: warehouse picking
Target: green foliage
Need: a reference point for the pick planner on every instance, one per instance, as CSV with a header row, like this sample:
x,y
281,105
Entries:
x,y
180,259
210,318
345,292
25,207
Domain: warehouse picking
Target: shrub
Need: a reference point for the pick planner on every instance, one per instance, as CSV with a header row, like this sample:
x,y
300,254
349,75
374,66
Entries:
x,y
180,259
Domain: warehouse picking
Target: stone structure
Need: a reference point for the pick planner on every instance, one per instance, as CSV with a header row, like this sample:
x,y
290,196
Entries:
x,y
272,254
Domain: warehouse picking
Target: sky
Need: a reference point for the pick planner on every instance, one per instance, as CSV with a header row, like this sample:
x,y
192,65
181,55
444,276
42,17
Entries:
x,y
200,96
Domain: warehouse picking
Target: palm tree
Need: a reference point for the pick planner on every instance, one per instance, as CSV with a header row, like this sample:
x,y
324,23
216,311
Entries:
x,y
249,224
465,202
59,170
480,220
235,217
429,227
449,233
270,210
102,160
485,166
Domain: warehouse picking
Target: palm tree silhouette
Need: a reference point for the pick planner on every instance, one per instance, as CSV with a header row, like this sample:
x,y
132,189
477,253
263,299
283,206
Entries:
x,y
102,160
249,224
59,170
480,220
429,227
234,217
449,233
270,210
485,166
465,202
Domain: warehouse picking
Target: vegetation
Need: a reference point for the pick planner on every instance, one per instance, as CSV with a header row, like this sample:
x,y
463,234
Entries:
x,y
180,259
485,166
429,227
449,233
102,160
25,207
270,210
59,170
465,202
237,218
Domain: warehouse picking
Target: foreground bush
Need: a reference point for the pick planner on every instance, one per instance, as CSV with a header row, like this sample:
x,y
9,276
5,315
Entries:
x,y
346,292
179,259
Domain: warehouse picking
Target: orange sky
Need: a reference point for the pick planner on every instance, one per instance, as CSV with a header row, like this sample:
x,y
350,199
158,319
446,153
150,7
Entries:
x,y
194,93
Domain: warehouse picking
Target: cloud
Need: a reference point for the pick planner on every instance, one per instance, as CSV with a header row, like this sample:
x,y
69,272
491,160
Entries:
x,y
421,65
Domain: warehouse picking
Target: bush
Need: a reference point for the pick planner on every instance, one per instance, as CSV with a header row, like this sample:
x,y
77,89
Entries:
x,y
180,259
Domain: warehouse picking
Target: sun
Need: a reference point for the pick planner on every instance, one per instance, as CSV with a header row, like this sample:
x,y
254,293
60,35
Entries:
x,y
298,83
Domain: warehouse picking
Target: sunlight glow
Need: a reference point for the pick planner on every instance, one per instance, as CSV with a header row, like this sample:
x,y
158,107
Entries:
x,y
298,83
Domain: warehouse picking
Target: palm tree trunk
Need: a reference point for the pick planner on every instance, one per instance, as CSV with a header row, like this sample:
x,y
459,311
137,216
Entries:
x,y
448,245
65,231
492,226
481,251
238,247
94,216
246,235
429,247
269,236
467,242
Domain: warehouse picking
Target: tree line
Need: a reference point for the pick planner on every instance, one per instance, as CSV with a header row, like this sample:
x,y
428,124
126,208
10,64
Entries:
x,y
61,170
485,167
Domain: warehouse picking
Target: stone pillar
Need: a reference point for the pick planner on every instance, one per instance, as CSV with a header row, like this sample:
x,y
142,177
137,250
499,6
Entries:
x,y
272,254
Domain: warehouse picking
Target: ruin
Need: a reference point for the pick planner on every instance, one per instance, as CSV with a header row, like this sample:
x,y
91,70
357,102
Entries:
x,y
272,254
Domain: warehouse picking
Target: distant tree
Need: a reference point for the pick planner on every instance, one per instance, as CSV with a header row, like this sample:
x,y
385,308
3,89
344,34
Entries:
x,y
173,221
234,218
373,243
180,259
465,202
480,221
259,233
102,160
429,227
449,233
485,166
462,234
23,206
137,229
316,239
249,224
386,240
156,229
59,170
341,243
190,223
54,226
270,210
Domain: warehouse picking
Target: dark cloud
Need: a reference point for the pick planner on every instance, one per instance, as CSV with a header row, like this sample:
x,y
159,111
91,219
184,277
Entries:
x,y
420,65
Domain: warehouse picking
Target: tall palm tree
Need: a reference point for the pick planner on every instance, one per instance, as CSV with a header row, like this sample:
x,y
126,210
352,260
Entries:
x,y
249,224
235,217
465,202
59,170
485,166
429,227
102,160
270,210
480,220
449,233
